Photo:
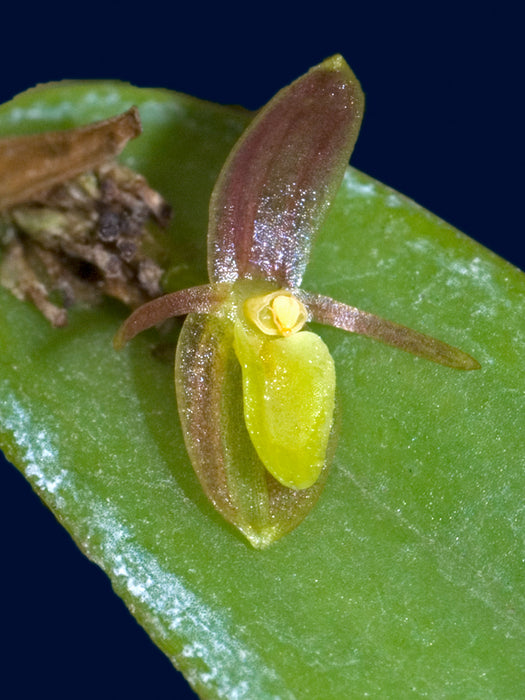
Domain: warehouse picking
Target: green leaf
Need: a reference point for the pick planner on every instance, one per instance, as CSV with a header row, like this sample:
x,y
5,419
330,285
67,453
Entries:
x,y
407,577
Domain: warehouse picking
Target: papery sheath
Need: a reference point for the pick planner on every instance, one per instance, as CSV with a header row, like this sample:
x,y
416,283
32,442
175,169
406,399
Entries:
x,y
33,163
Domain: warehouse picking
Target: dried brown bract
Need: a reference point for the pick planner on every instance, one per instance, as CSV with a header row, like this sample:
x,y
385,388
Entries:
x,y
74,223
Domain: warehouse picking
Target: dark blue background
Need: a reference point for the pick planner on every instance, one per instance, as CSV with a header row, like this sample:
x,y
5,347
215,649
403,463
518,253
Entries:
x,y
443,125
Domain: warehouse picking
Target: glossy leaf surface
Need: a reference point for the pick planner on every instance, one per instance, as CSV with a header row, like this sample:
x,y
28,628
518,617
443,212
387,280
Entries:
x,y
407,577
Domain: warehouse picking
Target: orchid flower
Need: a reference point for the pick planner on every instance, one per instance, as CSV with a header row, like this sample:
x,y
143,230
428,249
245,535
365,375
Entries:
x,y
255,389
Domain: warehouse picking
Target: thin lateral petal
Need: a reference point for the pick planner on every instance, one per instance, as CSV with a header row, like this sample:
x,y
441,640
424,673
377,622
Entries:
x,y
334,313
192,300
34,163
277,184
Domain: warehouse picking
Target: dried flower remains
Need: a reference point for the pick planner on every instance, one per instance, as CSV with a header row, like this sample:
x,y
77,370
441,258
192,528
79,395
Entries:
x,y
74,223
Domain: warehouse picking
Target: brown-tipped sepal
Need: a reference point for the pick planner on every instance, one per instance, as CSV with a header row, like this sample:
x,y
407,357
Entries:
x,y
276,186
211,400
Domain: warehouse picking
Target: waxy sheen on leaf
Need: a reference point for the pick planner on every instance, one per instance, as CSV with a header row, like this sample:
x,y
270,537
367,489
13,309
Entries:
x,y
256,391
